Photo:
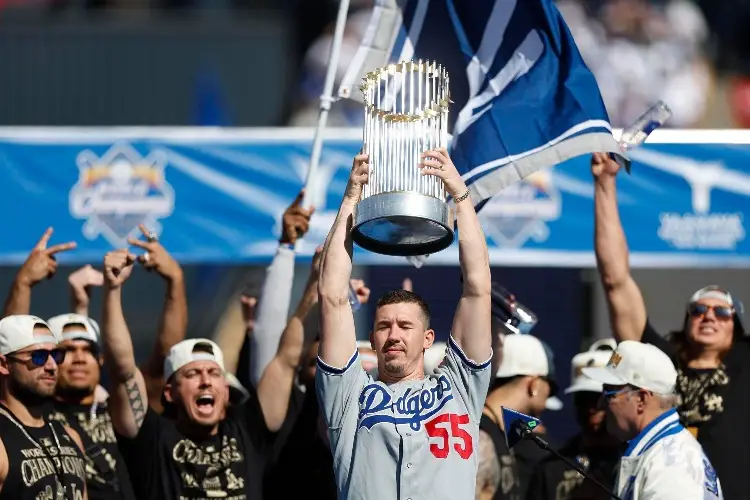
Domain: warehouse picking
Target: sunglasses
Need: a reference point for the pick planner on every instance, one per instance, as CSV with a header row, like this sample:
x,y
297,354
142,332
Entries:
x,y
39,357
721,312
610,395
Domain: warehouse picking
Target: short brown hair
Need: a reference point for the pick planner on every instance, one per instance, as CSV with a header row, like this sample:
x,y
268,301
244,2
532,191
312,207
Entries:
x,y
404,296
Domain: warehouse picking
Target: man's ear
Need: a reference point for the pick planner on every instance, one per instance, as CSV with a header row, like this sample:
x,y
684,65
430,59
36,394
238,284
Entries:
x,y
372,338
168,392
429,338
532,386
4,366
101,360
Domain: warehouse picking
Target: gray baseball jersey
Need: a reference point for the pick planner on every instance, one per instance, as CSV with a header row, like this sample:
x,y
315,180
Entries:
x,y
414,440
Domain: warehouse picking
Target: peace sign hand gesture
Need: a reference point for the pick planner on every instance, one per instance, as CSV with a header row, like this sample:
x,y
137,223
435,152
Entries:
x,y
156,256
41,262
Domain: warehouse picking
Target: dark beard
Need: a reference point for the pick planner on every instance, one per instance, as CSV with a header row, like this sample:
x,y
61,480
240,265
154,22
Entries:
x,y
72,395
30,398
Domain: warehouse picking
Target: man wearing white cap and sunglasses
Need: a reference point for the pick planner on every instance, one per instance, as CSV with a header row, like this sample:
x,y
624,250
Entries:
x,y
710,350
38,459
593,449
663,460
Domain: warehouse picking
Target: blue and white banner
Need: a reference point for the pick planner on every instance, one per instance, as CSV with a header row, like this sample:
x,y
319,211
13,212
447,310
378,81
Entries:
x,y
217,196
523,99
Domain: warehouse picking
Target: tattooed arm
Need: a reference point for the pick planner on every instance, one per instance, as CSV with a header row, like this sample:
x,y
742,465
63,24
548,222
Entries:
x,y
128,396
488,474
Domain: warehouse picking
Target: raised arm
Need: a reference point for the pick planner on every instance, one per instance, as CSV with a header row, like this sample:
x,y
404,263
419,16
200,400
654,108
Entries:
x,y
338,341
80,283
627,311
472,328
128,396
174,316
276,295
39,265
275,386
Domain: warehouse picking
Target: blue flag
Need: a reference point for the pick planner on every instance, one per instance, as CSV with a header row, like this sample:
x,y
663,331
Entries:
x,y
523,99
515,424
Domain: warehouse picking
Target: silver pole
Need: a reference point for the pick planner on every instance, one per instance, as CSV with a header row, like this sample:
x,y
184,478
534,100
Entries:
x,y
327,97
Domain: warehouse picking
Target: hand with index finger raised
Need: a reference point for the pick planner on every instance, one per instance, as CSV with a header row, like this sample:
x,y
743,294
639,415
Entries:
x,y
41,262
156,256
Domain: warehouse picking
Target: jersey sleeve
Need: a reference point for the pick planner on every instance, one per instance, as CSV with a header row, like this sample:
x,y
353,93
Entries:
x,y
470,379
338,391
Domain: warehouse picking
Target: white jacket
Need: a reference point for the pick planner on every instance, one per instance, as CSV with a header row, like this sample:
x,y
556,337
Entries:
x,y
665,462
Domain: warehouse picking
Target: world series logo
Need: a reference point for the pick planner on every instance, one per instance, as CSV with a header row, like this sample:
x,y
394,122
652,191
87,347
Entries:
x,y
120,190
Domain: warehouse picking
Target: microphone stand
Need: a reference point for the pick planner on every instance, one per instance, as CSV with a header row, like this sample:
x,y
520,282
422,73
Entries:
x,y
528,434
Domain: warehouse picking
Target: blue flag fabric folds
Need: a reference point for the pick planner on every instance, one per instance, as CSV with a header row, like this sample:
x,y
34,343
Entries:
x,y
523,97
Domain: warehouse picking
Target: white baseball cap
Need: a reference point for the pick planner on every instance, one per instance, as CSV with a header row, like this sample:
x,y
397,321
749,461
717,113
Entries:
x,y
525,354
637,364
191,350
597,355
17,332
90,330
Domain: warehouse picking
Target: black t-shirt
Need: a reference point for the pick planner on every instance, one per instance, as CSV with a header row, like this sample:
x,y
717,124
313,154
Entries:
x,y
165,464
43,462
302,452
553,479
106,474
509,487
715,406
528,455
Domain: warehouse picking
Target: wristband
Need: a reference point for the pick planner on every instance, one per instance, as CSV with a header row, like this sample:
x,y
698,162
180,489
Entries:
x,y
288,246
462,197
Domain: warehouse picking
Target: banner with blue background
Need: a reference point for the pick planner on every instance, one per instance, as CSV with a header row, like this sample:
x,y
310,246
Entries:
x,y
216,195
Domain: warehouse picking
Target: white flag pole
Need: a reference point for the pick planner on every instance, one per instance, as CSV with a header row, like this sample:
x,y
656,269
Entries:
x,y
327,97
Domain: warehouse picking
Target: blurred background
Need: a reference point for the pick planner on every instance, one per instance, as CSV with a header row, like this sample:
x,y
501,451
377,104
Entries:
x,y
261,63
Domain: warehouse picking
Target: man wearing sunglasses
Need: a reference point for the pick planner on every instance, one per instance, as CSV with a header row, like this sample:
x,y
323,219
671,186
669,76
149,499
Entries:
x,y
663,460
710,350
594,449
38,459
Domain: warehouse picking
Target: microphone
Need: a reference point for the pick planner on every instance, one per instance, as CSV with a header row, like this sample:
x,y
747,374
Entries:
x,y
519,426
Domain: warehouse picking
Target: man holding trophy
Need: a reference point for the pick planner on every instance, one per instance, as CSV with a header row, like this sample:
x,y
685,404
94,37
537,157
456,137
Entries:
x,y
405,436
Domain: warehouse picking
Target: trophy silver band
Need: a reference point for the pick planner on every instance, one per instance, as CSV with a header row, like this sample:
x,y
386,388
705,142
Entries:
x,y
403,212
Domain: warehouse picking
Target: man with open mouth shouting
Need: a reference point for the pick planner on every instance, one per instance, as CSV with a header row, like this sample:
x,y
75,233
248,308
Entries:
x,y
206,448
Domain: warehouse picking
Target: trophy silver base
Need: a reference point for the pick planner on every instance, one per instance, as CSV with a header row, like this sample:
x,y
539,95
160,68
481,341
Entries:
x,y
402,223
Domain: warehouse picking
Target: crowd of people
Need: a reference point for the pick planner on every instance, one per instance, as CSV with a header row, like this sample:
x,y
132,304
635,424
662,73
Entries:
x,y
309,412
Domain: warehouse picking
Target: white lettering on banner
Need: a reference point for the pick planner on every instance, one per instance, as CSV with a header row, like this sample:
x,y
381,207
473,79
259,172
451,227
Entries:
x,y
720,231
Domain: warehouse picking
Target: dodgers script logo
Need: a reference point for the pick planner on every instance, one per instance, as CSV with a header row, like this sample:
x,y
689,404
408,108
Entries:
x,y
412,407
118,191
521,211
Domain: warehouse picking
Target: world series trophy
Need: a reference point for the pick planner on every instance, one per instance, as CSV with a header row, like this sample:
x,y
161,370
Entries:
x,y
402,212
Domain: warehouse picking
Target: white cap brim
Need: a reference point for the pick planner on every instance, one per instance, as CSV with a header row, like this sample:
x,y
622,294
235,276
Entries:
x,y
603,375
584,386
553,404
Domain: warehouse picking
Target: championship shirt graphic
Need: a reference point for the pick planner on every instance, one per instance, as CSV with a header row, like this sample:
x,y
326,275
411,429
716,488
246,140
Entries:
x,y
521,211
120,190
